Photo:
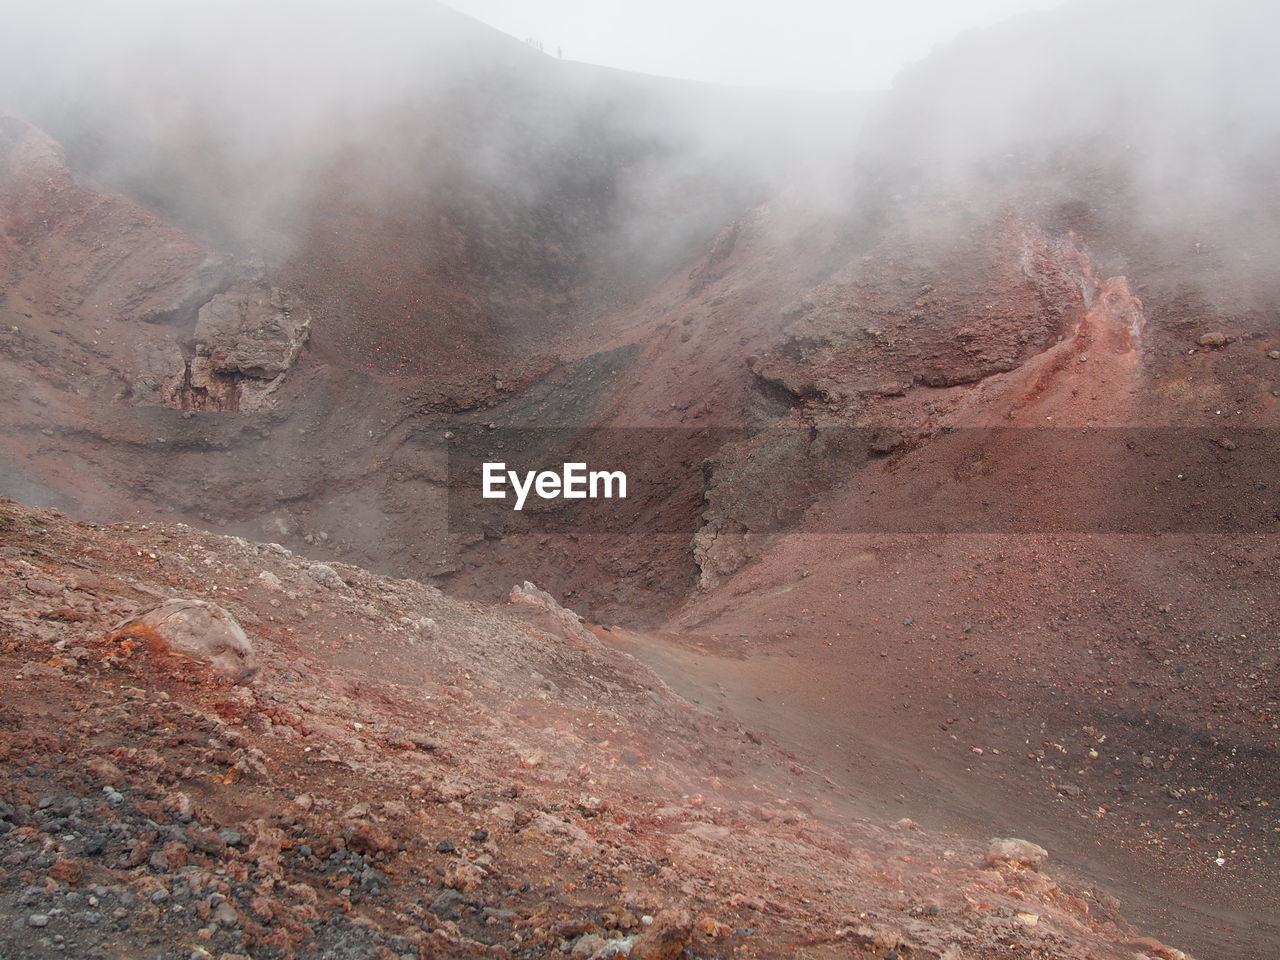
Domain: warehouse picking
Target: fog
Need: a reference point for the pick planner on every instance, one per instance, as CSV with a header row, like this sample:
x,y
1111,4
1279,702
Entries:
x,y
1187,87
812,45
244,121
233,116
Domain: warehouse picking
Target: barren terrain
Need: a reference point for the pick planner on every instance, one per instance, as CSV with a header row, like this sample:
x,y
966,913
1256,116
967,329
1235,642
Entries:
x,y
954,516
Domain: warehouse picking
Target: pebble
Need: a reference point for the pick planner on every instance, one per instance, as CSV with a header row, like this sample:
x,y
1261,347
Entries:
x,y
38,920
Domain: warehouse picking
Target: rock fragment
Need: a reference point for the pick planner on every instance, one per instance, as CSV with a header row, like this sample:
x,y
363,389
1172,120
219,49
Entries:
x,y
365,837
463,875
667,936
326,576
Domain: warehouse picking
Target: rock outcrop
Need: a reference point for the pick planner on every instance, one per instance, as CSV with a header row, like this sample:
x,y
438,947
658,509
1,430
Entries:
x,y
541,608
252,332
246,340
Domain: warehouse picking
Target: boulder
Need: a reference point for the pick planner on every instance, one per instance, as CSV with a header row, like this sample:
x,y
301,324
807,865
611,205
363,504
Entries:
x,y
326,576
198,630
1020,853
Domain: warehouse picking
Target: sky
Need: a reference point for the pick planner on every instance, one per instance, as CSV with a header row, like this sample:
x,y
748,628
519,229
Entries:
x,y
782,44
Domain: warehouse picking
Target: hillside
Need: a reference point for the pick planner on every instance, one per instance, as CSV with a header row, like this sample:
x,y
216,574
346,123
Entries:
x,y
948,410
406,774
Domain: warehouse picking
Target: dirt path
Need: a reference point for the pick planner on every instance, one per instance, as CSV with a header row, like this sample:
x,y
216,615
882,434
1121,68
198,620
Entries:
x,y
886,759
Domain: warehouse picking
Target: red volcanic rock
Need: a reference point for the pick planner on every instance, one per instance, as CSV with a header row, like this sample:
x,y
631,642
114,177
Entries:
x,y
667,936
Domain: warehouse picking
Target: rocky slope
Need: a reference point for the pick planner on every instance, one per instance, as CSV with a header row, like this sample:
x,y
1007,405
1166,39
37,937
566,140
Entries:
x,y
408,775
